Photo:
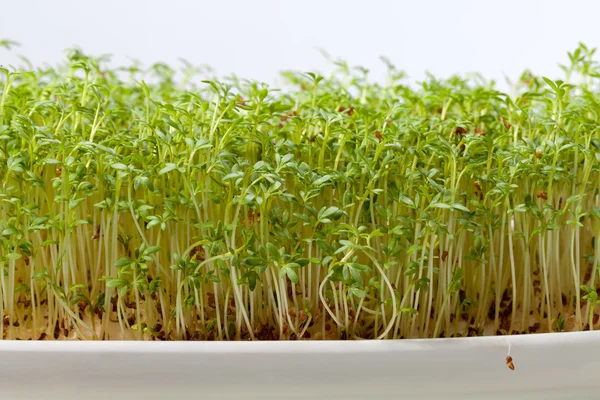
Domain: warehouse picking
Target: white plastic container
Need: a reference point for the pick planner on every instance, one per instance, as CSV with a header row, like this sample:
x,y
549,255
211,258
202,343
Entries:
x,y
547,366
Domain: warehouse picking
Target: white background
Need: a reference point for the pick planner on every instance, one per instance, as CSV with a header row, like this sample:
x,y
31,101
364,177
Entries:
x,y
258,38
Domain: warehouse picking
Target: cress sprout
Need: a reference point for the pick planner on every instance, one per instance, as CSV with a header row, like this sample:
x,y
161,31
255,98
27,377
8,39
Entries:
x,y
137,206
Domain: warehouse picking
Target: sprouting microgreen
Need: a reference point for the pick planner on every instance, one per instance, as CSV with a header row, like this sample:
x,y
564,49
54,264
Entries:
x,y
137,206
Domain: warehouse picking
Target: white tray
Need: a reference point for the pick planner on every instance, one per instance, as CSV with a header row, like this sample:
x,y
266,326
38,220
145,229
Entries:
x,y
547,366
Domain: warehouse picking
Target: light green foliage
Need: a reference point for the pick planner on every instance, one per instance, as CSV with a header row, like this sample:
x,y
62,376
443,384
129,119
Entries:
x,y
336,208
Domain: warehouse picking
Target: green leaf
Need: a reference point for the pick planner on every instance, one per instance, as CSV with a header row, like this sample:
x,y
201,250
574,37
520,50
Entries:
x,y
520,208
303,262
458,206
74,203
259,165
325,213
407,201
123,261
292,265
302,217
119,166
252,279
322,180
115,283
253,261
413,249
170,167
151,250
273,251
8,232
357,292
292,275
21,287
152,223
376,233
143,181
550,83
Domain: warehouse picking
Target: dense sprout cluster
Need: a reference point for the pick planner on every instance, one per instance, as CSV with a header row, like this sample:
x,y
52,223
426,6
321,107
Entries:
x,y
140,208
